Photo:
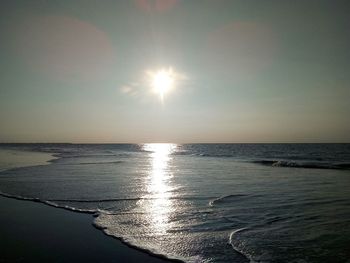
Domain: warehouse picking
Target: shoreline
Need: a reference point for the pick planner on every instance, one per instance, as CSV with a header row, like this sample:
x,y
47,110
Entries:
x,y
68,236
16,209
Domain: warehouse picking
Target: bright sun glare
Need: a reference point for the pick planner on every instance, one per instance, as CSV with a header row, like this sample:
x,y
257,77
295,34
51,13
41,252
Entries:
x,y
162,81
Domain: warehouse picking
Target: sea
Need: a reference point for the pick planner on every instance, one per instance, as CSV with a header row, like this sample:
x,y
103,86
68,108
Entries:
x,y
201,202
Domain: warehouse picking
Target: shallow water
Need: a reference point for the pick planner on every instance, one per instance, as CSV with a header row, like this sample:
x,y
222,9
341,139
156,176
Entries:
x,y
10,158
204,202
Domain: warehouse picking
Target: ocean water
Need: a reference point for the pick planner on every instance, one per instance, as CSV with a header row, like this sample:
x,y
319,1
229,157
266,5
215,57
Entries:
x,y
202,202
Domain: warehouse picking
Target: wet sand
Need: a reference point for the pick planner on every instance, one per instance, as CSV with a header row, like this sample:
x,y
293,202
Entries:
x,y
35,232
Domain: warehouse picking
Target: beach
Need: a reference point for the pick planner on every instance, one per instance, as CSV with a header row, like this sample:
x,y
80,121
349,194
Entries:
x,y
35,232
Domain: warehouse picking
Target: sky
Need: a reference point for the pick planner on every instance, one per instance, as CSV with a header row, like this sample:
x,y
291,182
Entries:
x,y
242,71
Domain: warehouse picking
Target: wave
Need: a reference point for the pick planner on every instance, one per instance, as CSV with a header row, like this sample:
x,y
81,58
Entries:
x,y
123,199
96,213
96,163
235,247
217,155
50,203
132,244
98,200
88,155
307,165
226,198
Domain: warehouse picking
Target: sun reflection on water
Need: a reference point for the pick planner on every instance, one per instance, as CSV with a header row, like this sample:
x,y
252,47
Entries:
x,y
158,186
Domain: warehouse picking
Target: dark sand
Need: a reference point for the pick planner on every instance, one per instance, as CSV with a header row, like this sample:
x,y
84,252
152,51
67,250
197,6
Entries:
x,y
35,232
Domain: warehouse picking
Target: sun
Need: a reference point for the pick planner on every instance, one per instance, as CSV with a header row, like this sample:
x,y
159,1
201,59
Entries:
x,y
162,81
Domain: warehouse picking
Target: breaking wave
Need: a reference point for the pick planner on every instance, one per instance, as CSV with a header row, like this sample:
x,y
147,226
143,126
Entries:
x,y
307,165
227,198
50,203
237,247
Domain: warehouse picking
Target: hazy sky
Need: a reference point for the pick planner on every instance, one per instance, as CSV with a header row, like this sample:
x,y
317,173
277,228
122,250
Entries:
x,y
247,71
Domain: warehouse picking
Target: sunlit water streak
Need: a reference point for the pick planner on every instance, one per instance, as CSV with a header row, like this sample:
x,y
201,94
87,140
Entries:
x,y
158,183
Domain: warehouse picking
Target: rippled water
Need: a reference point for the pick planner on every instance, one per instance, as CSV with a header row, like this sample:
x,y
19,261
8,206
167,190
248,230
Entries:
x,y
204,202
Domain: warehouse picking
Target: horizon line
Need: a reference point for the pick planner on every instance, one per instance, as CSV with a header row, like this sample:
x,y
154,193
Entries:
x,y
94,143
